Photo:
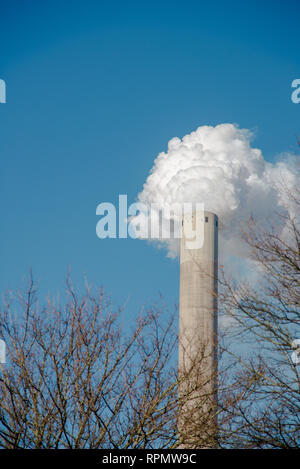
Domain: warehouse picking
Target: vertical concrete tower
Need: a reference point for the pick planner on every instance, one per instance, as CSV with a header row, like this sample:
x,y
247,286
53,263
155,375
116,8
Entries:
x,y
198,326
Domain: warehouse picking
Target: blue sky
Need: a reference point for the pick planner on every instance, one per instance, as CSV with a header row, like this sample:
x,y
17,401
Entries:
x,y
95,90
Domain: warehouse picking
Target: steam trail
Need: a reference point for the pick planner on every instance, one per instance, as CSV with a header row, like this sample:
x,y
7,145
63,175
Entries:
x,y
217,166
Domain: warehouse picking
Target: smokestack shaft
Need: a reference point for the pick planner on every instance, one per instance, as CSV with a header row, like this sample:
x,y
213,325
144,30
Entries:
x,y
198,330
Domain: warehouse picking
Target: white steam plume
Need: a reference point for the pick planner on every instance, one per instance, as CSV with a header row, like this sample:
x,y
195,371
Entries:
x,y
218,167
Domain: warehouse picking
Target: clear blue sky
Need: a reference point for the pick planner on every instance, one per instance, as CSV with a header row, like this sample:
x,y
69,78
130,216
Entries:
x,y
94,92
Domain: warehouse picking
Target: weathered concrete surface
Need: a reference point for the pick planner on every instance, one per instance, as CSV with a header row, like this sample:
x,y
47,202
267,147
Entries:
x,y
198,328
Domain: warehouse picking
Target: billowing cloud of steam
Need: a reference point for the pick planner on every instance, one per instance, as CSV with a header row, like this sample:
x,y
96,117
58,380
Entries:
x,y
216,166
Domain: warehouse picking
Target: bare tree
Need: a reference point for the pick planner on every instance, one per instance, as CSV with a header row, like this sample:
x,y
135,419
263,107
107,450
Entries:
x,y
262,401
74,378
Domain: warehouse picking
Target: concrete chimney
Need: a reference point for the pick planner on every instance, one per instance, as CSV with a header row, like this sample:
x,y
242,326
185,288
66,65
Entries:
x,y
198,328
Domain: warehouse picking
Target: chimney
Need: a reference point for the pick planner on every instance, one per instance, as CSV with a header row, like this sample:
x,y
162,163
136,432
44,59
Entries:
x,y
198,329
